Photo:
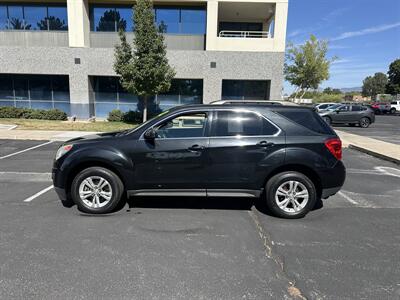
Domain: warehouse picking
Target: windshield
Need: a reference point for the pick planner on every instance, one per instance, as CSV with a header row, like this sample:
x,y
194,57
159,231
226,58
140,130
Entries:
x,y
335,106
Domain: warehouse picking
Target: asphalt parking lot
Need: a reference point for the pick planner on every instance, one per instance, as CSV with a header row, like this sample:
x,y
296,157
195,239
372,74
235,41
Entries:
x,y
183,248
386,128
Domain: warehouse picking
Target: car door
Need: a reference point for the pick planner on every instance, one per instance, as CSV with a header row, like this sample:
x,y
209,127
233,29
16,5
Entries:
x,y
357,113
176,157
343,114
243,145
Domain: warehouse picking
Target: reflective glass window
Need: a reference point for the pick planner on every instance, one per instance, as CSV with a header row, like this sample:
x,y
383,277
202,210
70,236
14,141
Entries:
x,y
6,88
193,21
104,19
40,88
106,89
57,18
3,17
60,86
169,18
21,87
35,17
245,90
123,17
15,17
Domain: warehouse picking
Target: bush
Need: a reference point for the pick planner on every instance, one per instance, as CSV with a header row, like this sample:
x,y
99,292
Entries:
x,y
115,116
133,117
28,113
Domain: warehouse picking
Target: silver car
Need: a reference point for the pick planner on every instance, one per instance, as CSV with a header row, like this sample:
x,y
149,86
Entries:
x,y
351,114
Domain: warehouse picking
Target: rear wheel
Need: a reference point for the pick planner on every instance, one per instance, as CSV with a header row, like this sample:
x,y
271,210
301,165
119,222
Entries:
x,y
328,120
97,190
393,110
365,122
290,195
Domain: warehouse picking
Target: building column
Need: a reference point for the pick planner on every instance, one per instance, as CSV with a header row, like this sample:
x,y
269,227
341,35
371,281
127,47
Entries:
x,y
212,89
281,12
212,24
78,23
79,94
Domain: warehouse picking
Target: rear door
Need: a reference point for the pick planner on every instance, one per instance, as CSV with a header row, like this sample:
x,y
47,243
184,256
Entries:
x,y
343,114
243,145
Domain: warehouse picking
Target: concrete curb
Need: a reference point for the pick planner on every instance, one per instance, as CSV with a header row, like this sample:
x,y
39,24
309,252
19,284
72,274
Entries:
x,y
374,154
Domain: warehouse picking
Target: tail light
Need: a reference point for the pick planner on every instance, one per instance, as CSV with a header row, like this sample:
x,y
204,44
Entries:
x,y
335,147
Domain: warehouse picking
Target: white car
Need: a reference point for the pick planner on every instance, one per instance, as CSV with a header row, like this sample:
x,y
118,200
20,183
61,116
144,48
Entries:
x,y
323,106
394,106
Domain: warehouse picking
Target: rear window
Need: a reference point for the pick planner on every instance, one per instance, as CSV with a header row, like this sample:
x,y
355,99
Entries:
x,y
307,118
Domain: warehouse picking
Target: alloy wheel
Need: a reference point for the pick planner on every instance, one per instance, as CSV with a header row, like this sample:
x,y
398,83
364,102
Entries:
x,y
291,196
95,191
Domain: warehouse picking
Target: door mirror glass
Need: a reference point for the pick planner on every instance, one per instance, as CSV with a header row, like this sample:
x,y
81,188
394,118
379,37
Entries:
x,y
150,134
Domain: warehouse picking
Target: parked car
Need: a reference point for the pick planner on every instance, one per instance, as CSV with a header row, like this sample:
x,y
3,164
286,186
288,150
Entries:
x,y
349,114
381,108
323,106
287,156
394,107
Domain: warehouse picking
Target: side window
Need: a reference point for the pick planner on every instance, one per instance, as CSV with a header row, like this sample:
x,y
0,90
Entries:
x,y
323,106
356,108
344,108
232,123
183,126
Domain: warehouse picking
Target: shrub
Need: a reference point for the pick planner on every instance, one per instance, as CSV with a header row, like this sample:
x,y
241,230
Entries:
x,y
115,116
133,117
28,113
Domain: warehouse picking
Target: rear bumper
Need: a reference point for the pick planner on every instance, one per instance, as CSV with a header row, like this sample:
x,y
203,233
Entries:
x,y
332,180
326,193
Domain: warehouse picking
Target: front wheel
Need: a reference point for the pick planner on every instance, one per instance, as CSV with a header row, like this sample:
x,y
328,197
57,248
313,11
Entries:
x,y
365,122
290,195
393,111
97,190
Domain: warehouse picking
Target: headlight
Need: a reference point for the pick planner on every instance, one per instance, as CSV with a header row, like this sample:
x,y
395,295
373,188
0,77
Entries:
x,y
62,150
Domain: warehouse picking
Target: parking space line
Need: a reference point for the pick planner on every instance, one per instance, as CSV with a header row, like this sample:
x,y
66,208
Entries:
x,y
38,194
22,151
348,198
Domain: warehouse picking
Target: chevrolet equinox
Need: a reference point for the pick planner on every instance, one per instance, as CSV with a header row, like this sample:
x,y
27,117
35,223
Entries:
x,y
288,156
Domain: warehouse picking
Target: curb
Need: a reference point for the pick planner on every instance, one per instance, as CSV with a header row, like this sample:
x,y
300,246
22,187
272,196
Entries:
x,y
375,154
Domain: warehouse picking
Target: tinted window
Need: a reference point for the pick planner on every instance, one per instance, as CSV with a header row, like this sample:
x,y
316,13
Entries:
x,y
231,123
344,108
35,17
307,118
123,18
169,17
40,88
356,108
3,17
245,90
57,18
184,126
104,19
15,17
193,21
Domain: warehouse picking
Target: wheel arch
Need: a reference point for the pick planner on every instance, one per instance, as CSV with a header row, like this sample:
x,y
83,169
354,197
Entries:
x,y
303,169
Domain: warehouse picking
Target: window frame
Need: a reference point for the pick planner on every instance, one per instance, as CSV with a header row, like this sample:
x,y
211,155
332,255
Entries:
x,y
207,112
214,120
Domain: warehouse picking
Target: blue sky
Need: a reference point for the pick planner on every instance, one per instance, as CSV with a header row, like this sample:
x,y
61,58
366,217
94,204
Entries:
x,y
363,34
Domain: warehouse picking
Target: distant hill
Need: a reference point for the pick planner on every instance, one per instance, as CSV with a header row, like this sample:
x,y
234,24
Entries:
x,y
353,89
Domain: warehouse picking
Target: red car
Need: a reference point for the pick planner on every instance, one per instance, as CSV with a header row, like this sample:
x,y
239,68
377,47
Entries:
x,y
381,108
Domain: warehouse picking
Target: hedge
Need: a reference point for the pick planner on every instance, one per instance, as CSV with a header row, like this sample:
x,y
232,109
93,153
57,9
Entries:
x,y
131,116
29,113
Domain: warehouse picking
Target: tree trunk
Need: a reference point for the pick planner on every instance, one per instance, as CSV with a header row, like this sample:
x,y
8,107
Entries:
x,y
302,95
144,109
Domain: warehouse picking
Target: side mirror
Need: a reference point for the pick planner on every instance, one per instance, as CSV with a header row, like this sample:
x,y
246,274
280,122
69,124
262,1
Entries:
x,y
337,111
150,134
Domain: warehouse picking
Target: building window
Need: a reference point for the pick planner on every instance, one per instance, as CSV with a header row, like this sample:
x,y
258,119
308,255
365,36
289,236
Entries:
x,y
33,17
108,94
174,20
245,89
35,91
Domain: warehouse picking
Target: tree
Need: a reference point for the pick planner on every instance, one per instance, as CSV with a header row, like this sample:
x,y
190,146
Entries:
x,y
306,65
52,23
143,68
331,91
374,85
393,86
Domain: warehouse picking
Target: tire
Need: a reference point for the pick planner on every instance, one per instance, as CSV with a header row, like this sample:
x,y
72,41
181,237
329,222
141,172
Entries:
x,y
328,120
365,122
100,182
393,111
281,182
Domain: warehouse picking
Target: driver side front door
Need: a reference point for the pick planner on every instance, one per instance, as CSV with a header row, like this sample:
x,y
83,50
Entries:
x,y
175,161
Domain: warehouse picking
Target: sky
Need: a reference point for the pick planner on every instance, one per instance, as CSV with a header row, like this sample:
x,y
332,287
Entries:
x,y
363,34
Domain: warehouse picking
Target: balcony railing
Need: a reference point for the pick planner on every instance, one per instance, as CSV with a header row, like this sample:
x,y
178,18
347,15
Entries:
x,y
244,34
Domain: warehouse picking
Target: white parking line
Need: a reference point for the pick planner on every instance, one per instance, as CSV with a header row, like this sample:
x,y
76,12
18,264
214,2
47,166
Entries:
x,y
38,194
22,151
348,198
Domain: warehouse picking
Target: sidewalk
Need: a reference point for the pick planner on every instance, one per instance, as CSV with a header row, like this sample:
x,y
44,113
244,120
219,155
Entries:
x,y
17,134
374,147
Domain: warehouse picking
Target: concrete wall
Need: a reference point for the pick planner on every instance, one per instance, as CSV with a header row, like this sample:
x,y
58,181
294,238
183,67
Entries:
x,y
192,64
34,38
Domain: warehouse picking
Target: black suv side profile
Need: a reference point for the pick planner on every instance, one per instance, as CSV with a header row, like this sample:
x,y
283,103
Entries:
x,y
286,155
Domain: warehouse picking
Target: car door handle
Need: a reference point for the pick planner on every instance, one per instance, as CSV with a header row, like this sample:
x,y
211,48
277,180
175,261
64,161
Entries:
x,y
265,144
196,148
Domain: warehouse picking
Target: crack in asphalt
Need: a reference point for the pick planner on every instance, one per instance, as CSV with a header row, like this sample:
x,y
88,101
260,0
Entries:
x,y
292,290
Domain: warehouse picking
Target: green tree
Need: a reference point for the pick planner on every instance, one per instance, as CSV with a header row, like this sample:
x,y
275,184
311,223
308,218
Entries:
x,y
373,85
331,91
144,68
393,86
306,65
52,23
111,21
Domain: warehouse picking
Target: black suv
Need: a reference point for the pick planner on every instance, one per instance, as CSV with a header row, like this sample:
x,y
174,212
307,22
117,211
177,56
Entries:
x,y
287,155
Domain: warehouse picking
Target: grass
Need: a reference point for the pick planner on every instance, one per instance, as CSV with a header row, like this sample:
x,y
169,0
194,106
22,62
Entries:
x,y
98,126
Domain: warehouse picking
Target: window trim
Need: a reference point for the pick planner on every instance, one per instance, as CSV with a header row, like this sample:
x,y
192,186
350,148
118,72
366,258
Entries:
x,y
245,136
